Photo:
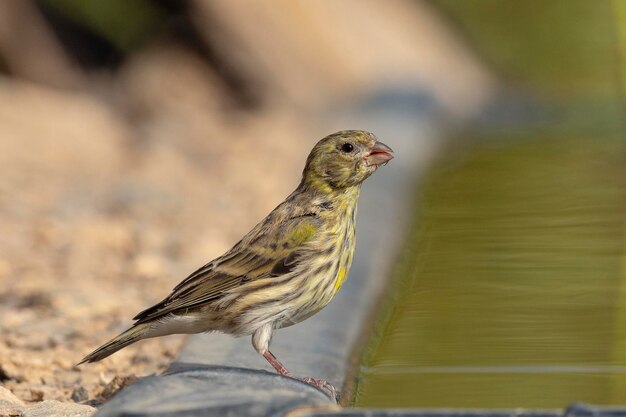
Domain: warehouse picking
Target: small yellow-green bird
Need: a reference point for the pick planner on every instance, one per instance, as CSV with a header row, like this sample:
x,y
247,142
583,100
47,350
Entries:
x,y
287,268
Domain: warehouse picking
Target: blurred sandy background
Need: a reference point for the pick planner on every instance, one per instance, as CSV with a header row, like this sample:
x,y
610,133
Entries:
x,y
138,140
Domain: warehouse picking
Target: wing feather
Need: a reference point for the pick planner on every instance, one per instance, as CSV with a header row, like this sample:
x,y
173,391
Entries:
x,y
261,253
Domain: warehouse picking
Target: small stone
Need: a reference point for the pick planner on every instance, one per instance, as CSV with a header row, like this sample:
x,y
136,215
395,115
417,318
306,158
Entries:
x,y
11,411
10,405
80,394
115,385
36,395
52,408
6,396
4,375
106,378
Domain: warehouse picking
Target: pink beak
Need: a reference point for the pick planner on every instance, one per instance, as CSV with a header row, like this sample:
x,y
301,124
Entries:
x,y
379,154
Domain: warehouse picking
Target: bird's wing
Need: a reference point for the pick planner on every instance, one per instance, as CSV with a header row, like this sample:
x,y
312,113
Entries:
x,y
270,249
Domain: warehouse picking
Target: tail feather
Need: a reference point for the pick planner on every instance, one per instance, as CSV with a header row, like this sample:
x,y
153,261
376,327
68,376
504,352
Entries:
x,y
130,336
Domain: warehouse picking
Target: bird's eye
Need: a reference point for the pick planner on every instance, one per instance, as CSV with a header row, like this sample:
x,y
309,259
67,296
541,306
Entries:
x,y
347,147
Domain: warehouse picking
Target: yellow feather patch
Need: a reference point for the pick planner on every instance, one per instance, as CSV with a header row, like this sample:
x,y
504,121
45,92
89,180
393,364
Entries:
x,y
301,234
321,185
341,277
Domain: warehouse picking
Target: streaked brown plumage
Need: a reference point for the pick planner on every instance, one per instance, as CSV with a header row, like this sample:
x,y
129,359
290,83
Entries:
x,y
285,269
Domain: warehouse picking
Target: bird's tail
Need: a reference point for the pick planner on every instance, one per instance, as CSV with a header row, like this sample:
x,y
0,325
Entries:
x,y
130,336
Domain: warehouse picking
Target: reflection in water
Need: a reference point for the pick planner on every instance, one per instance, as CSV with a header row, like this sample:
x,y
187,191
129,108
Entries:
x,y
512,289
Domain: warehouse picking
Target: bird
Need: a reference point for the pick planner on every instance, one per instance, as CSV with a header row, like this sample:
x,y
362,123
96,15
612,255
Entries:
x,y
286,269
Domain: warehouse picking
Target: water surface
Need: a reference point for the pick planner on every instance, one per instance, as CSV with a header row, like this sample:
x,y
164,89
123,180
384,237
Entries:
x,y
511,291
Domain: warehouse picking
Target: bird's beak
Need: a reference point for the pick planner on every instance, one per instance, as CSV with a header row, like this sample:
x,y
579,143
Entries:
x,y
379,154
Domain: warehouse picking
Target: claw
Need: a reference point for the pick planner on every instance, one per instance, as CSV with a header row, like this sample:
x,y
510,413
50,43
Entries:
x,y
321,384
317,383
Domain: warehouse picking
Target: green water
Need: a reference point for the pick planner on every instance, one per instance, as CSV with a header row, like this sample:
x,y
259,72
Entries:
x,y
511,291
511,288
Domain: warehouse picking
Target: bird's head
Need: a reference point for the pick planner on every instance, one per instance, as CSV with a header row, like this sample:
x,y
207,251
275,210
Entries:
x,y
345,159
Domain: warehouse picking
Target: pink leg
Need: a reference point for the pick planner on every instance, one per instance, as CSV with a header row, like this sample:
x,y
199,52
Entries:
x,y
318,383
269,356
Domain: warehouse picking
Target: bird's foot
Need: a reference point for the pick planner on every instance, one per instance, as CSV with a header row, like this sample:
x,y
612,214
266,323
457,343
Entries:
x,y
321,384
317,383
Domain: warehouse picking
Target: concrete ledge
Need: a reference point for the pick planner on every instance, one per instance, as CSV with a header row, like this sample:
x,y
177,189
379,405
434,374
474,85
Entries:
x,y
197,390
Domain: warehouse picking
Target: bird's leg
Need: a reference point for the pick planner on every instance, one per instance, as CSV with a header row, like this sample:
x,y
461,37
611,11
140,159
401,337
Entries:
x,y
261,342
318,383
269,356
